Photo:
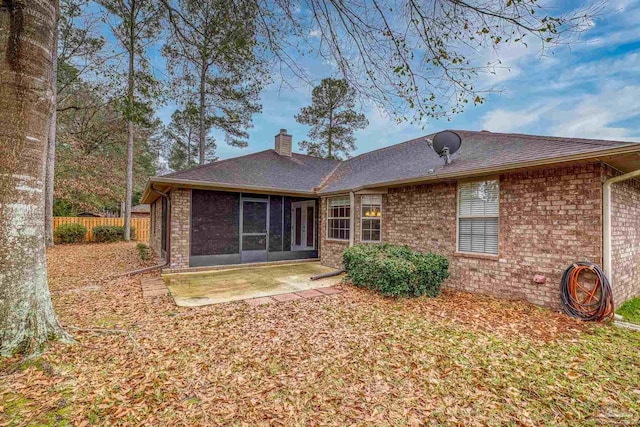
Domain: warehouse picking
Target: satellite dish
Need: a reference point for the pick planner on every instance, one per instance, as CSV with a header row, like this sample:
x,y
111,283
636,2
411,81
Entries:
x,y
446,143
446,139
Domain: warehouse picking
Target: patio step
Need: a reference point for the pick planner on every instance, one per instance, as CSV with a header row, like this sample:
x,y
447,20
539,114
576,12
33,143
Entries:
x,y
153,287
293,296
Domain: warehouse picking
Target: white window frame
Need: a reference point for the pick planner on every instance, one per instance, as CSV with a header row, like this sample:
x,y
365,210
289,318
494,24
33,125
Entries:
x,y
371,200
329,218
459,216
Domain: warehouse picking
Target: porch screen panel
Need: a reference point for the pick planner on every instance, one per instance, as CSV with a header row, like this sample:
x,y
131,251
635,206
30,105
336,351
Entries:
x,y
286,241
276,237
298,230
254,217
215,223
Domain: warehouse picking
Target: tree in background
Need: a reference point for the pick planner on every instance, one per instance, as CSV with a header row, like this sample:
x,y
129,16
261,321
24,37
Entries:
x,y
91,158
182,139
332,118
77,40
27,29
211,52
134,24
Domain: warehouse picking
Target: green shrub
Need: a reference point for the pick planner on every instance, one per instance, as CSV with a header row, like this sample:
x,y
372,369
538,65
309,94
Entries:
x,y
144,251
70,233
395,270
110,233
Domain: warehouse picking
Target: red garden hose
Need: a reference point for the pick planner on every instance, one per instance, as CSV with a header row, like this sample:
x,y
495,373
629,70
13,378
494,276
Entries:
x,y
582,299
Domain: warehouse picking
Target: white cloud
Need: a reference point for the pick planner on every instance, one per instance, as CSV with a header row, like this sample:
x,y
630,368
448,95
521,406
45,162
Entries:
x,y
315,33
383,130
598,72
585,115
595,116
617,24
509,121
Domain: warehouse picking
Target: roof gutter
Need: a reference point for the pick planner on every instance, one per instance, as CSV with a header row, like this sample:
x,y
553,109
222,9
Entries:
x,y
606,223
204,184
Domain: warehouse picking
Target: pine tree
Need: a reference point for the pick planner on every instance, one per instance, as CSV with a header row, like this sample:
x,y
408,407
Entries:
x,y
182,139
211,52
332,118
134,23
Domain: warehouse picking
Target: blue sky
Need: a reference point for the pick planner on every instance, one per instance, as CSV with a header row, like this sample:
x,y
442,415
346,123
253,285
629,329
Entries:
x,y
590,90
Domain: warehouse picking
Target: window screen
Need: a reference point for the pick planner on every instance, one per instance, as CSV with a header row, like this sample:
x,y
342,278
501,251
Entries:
x,y
478,212
370,218
338,218
276,223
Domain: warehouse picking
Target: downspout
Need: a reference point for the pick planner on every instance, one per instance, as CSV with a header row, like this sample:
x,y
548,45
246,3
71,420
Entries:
x,y
352,217
606,223
166,195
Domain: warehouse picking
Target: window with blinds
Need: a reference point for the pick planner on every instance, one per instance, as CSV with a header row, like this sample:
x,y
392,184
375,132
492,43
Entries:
x,y
338,218
478,213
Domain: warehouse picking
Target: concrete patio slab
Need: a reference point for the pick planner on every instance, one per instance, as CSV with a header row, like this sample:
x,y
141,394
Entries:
x,y
214,287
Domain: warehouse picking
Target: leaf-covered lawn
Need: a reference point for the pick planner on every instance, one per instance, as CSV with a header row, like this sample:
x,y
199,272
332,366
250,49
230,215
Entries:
x,y
348,359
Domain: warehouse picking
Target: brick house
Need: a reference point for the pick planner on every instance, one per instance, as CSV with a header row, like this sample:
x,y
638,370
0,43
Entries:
x,y
507,208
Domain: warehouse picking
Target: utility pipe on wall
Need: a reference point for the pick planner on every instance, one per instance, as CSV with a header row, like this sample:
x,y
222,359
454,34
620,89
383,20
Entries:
x,y
352,217
606,223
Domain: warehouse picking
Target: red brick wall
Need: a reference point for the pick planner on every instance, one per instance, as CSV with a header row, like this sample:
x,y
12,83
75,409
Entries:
x,y
180,228
548,219
330,250
625,238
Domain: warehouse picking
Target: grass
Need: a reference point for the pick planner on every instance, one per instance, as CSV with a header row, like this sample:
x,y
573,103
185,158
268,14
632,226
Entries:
x,y
630,310
350,359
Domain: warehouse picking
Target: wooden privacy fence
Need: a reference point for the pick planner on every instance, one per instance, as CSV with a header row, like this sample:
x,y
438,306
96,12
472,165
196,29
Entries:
x,y
140,224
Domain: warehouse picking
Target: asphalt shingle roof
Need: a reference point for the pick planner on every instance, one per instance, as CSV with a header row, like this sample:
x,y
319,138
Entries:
x,y
142,208
266,169
480,150
410,160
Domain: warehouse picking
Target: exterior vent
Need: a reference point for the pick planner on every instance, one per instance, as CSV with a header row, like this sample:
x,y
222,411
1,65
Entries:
x,y
283,143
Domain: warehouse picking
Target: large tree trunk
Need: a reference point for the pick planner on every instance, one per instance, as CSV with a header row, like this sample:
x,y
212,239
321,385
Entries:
x,y
27,37
51,152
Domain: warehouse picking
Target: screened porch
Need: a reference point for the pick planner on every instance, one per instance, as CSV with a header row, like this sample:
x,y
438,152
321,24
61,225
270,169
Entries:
x,y
235,228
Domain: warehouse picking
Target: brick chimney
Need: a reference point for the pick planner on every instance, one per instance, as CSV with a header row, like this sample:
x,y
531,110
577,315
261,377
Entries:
x,y
283,143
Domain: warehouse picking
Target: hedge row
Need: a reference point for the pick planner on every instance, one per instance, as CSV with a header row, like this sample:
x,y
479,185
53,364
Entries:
x,y
395,270
111,233
75,233
69,233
